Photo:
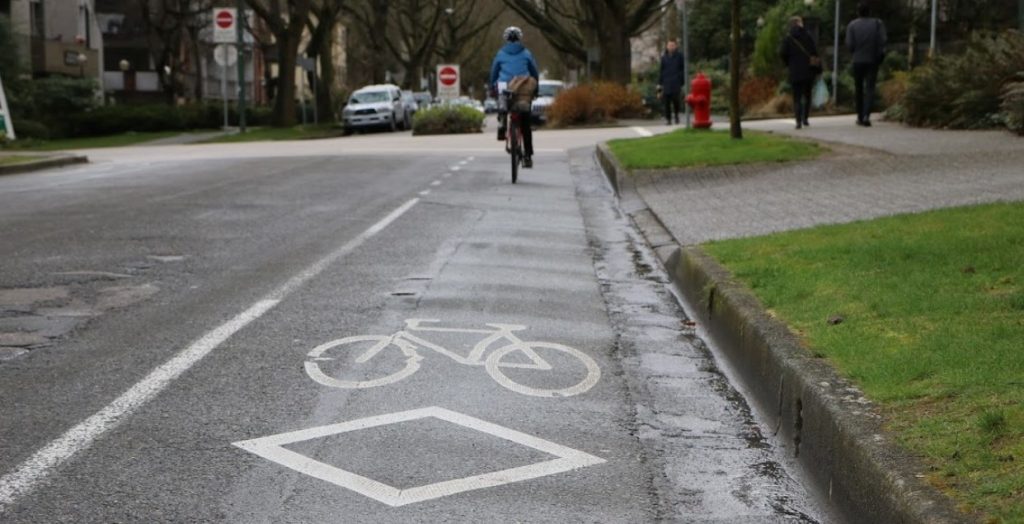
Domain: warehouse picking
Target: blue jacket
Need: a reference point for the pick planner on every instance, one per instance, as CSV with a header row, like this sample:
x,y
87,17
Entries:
x,y
513,60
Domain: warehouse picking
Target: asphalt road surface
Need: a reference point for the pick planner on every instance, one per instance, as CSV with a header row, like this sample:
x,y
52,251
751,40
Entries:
x,y
374,329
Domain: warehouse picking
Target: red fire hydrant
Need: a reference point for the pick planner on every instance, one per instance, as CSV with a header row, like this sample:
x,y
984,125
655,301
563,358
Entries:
x,y
699,100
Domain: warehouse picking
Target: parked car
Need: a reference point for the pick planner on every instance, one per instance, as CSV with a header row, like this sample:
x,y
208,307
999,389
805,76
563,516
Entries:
x,y
490,106
424,99
411,105
547,91
375,106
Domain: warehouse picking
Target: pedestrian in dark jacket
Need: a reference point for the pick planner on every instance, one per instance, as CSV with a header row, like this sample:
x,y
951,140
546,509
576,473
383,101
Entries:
x,y
798,52
866,39
671,80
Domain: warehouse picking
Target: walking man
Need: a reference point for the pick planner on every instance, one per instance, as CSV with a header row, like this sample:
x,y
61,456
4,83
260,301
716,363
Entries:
x,y
800,55
671,80
866,39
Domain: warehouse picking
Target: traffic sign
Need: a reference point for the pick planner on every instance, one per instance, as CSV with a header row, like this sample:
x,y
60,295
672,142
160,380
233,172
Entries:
x,y
448,80
224,20
225,55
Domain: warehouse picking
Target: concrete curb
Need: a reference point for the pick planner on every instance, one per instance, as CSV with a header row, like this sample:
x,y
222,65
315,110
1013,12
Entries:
x,y
834,432
45,163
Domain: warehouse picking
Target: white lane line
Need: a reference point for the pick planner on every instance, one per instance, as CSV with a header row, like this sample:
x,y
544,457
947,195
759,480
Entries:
x,y
456,168
472,158
435,183
41,464
641,131
425,193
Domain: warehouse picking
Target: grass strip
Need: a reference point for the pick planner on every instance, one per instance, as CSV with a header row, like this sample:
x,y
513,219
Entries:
x,y
10,160
96,142
263,134
926,313
696,148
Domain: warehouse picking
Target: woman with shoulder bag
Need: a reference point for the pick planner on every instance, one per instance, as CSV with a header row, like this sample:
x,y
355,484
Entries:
x,y
800,55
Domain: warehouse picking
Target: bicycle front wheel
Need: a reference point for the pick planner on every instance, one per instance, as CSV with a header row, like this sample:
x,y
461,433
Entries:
x,y
566,355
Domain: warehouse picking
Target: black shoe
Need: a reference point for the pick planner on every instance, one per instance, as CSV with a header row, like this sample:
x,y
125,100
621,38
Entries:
x,y
807,124
528,162
501,134
867,123
799,125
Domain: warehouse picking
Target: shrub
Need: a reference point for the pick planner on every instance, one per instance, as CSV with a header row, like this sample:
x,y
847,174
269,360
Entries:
x,y
755,92
447,120
26,129
963,92
595,103
1013,106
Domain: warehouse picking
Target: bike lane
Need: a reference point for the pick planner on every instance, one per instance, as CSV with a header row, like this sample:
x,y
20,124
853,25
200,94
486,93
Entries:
x,y
446,443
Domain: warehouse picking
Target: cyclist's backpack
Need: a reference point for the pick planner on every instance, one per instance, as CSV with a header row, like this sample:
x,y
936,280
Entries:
x,y
523,88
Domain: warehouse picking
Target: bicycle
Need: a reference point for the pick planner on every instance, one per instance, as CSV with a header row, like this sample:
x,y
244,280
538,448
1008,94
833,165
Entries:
x,y
407,343
513,134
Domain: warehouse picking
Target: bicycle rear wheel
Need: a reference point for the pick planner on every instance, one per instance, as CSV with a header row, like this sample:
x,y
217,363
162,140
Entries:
x,y
515,150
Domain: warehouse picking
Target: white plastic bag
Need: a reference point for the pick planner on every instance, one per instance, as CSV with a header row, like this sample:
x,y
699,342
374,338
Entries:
x,y
820,96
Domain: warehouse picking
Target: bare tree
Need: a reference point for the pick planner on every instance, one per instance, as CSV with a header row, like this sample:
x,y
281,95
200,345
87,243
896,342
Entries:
x,y
172,27
465,20
370,18
574,27
286,20
322,26
415,26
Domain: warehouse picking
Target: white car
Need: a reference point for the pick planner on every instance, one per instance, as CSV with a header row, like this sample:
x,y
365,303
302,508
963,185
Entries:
x,y
547,91
376,106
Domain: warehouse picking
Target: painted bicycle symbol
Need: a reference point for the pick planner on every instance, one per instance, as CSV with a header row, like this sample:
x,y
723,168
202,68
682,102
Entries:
x,y
512,353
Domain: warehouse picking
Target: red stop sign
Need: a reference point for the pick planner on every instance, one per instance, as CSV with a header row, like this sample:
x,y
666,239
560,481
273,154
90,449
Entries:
x,y
449,76
225,19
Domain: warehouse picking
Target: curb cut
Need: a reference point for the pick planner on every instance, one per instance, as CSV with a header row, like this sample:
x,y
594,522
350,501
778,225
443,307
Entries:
x,y
835,434
46,163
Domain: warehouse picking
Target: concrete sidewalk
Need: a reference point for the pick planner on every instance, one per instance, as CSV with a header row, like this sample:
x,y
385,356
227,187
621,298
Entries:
x,y
908,170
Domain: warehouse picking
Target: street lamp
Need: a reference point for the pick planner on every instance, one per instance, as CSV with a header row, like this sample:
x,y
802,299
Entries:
x,y
124,65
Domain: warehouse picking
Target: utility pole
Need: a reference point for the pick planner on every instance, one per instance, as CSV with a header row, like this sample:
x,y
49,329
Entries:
x,y
241,63
935,21
835,59
1020,14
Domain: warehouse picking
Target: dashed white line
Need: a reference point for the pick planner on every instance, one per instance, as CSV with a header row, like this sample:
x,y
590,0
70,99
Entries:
x,y
41,464
435,183
641,131
425,192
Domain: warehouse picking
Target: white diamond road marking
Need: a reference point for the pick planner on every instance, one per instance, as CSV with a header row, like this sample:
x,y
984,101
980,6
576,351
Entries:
x,y
272,448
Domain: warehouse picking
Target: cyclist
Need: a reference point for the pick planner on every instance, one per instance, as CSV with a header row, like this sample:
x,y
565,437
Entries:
x,y
514,60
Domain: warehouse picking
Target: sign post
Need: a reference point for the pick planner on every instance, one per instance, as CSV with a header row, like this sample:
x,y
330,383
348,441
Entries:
x,y
240,43
448,81
225,55
6,124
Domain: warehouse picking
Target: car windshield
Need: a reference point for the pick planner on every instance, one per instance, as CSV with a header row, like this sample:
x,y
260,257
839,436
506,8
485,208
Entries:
x,y
370,97
550,89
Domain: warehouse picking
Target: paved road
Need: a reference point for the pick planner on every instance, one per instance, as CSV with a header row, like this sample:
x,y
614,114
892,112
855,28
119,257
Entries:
x,y
231,338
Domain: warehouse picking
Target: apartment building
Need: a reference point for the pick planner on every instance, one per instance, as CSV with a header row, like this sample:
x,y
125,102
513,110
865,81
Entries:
x,y
56,37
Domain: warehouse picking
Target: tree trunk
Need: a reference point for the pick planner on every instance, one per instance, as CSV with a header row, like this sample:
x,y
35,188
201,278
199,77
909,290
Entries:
x,y
613,41
287,60
377,45
735,129
325,84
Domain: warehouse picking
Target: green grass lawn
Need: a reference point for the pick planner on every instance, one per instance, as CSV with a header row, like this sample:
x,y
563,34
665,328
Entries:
x,y
10,160
933,331
693,148
126,139
261,134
